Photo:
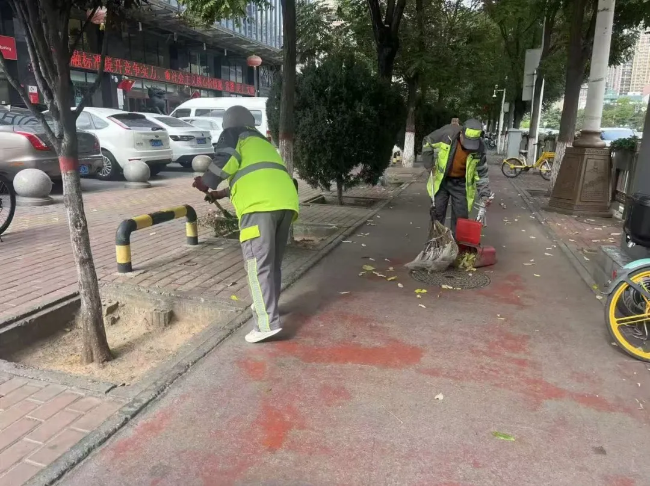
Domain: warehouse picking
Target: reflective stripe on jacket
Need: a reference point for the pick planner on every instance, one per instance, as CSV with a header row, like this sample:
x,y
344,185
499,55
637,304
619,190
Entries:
x,y
256,173
445,140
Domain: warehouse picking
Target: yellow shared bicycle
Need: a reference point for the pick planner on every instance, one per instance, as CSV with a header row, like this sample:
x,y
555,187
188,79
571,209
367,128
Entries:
x,y
514,166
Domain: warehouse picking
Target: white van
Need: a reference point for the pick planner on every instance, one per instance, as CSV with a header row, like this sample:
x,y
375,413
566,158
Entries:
x,y
216,107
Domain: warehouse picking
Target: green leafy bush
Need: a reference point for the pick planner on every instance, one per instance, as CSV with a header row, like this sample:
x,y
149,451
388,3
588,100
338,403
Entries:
x,y
628,144
347,121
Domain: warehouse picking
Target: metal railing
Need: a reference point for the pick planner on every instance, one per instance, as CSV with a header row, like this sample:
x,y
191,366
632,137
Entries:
x,y
128,226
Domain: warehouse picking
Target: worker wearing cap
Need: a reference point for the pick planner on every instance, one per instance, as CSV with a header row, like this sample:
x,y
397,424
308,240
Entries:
x,y
459,171
266,201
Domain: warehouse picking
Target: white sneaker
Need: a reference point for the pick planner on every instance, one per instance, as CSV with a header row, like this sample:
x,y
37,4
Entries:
x,y
256,336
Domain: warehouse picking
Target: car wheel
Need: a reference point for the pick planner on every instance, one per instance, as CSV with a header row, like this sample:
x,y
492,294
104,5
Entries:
x,y
110,169
186,164
154,170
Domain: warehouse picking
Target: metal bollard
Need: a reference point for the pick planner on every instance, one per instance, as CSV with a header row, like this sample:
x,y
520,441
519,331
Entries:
x,y
128,226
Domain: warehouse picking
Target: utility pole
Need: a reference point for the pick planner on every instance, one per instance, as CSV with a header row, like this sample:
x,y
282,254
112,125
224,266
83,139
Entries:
x,y
500,126
536,109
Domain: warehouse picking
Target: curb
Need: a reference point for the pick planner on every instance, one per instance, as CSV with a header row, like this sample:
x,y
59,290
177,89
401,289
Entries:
x,y
164,380
571,255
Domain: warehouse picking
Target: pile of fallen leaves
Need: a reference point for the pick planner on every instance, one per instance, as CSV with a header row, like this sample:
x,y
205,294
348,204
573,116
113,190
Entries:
x,y
466,261
217,222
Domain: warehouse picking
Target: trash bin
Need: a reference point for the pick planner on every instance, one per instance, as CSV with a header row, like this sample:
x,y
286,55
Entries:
x,y
637,220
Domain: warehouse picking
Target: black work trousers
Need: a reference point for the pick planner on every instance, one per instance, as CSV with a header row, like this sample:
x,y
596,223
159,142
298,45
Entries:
x,y
453,188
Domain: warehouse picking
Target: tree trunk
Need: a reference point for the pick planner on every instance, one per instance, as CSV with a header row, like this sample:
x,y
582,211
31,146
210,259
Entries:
x,y
386,53
95,347
287,121
519,112
408,157
339,191
575,71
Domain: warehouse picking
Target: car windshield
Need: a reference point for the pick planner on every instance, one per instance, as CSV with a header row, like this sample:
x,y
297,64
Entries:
x,y
615,134
22,117
135,121
173,122
206,124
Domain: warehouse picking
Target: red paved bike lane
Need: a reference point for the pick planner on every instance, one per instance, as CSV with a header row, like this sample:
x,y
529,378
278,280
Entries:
x,y
348,395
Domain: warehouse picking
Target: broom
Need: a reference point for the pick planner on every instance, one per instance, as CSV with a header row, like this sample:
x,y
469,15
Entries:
x,y
440,250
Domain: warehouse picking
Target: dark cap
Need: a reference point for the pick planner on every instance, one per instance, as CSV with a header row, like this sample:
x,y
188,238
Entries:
x,y
471,131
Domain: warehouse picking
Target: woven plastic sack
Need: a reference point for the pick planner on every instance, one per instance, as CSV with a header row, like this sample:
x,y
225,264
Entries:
x,y
439,252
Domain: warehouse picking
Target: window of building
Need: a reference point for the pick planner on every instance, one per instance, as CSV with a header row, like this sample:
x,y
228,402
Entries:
x,y
74,29
136,44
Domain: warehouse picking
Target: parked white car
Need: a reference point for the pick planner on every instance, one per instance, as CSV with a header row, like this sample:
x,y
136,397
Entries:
x,y
186,140
126,137
216,107
206,123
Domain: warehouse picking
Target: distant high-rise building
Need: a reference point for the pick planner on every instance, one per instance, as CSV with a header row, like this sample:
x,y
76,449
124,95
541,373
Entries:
x,y
641,65
614,75
626,77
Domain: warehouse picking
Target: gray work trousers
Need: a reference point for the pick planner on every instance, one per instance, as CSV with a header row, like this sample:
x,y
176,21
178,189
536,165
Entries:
x,y
455,189
263,254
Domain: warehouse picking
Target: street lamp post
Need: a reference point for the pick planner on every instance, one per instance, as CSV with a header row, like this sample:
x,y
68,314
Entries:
x,y
500,126
582,186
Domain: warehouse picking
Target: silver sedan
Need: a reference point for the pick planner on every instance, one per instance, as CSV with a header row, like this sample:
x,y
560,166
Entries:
x,y
23,145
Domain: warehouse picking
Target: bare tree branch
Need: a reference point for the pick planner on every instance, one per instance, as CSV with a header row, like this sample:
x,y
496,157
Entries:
x,y
390,12
399,11
23,96
100,72
33,22
87,22
375,17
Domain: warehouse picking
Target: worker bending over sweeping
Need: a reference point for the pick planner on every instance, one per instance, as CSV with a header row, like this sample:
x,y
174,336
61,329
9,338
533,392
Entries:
x,y
266,203
460,170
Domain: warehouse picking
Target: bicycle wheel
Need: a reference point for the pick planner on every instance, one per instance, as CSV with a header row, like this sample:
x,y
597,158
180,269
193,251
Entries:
x,y
511,167
7,203
545,169
627,314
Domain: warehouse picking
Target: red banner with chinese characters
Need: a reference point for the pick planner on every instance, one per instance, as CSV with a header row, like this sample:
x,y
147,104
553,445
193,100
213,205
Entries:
x,y
84,60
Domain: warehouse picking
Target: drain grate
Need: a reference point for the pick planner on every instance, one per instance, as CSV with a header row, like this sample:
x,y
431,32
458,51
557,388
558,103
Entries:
x,y
458,279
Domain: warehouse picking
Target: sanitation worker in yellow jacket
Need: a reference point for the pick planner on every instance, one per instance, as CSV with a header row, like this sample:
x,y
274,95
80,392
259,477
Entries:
x,y
266,201
455,155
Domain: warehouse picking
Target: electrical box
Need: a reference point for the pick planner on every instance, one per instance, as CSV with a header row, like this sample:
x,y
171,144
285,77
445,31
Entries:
x,y
514,143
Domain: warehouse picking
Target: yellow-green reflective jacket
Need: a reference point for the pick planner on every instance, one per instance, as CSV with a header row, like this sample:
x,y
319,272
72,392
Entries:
x,y
256,173
444,141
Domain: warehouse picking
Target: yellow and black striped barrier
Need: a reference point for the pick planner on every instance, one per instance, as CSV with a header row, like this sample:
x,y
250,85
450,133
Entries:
x,y
128,226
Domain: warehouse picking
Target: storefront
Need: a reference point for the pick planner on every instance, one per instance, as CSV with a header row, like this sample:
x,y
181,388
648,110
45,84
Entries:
x,y
149,81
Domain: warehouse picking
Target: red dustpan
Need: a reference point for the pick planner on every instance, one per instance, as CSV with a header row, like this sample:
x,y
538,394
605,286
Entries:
x,y
468,237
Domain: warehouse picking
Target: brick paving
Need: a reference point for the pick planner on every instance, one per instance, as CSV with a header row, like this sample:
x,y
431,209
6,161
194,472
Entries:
x,y
583,236
37,265
40,421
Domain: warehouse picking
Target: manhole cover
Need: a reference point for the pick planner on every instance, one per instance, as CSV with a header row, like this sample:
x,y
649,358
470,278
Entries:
x,y
458,279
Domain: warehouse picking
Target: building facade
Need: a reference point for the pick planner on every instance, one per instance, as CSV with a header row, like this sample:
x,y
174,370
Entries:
x,y
157,55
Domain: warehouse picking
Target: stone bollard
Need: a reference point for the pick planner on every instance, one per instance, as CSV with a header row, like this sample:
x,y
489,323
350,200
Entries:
x,y
200,164
33,188
137,175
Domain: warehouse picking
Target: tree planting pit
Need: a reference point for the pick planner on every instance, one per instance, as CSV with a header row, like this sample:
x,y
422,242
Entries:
x,y
310,236
360,202
144,328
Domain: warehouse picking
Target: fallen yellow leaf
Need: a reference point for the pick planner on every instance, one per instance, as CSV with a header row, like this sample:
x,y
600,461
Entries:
x,y
423,306
420,291
400,285
369,268
390,279
234,297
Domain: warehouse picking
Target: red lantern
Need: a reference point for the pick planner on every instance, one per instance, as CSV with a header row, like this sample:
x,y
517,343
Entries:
x,y
253,61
